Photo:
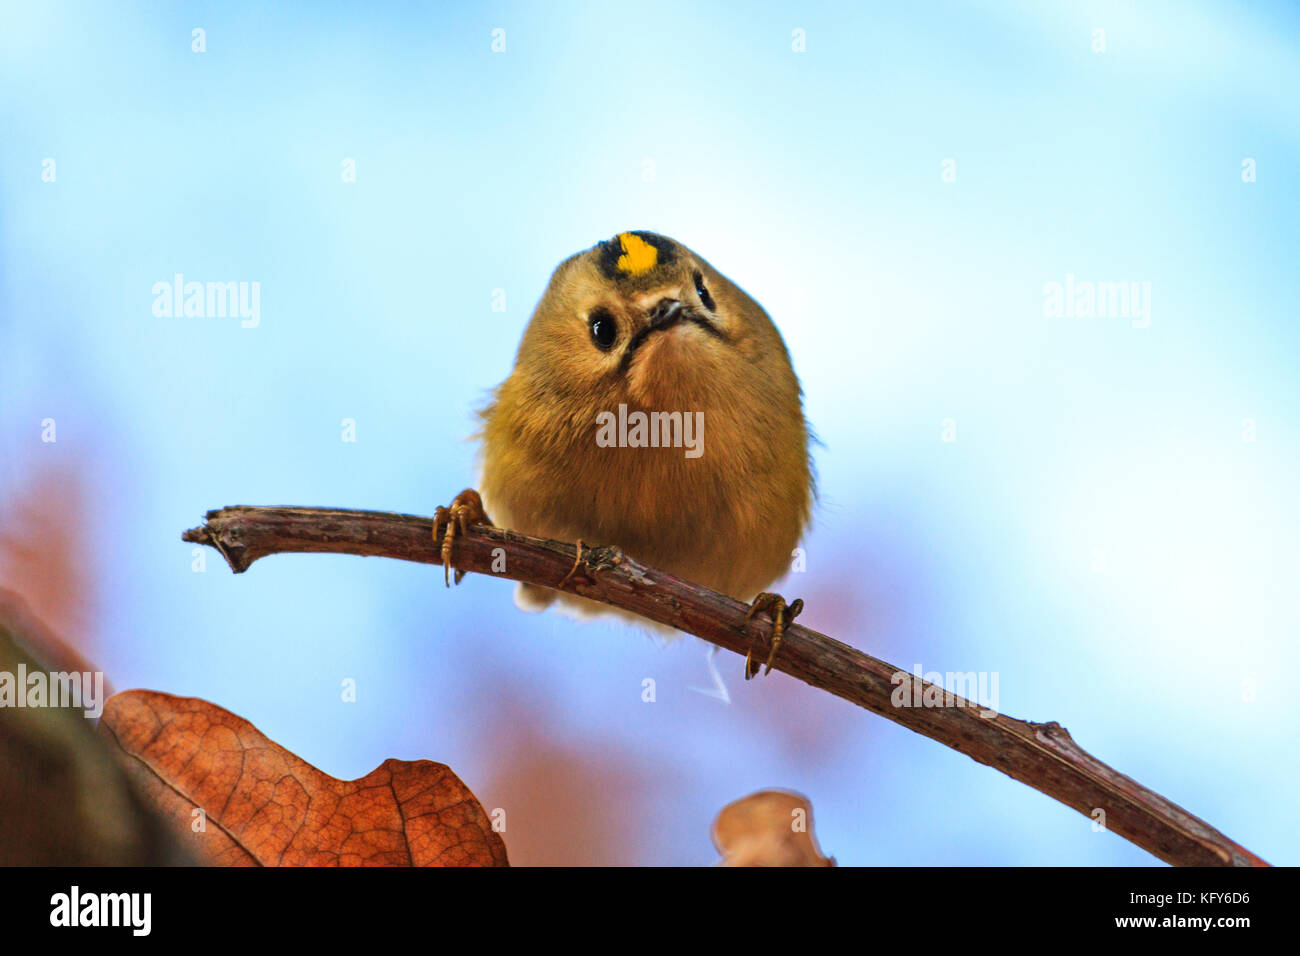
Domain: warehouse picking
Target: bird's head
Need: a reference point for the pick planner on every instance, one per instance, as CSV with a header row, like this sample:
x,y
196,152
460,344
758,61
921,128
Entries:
x,y
640,318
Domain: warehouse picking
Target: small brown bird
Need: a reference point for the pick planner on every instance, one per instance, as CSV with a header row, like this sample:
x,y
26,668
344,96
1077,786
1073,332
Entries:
x,y
652,406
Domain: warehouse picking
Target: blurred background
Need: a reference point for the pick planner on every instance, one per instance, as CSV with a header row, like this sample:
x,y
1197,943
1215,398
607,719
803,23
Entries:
x,y
1099,510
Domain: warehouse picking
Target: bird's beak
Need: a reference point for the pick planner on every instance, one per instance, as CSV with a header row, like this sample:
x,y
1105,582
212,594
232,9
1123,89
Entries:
x,y
666,313
670,312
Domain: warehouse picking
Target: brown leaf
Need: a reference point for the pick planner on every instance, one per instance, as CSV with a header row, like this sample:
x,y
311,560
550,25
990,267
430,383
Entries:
x,y
768,828
64,800
262,805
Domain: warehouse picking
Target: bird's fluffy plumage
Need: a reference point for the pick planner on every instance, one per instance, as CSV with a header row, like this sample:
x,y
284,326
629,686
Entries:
x,y
728,519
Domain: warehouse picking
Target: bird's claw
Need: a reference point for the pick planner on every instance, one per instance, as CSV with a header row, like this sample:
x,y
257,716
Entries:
x,y
577,562
782,615
465,511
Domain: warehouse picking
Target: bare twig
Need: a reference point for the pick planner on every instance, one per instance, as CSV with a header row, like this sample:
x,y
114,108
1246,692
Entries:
x,y
1044,756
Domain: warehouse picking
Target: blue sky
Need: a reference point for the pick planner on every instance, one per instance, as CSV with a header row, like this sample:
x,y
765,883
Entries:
x,y
1113,531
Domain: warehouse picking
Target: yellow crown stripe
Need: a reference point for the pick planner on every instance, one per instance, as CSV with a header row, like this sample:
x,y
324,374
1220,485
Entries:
x,y
639,257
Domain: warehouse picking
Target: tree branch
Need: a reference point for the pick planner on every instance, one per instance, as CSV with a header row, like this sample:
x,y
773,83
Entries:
x,y
1044,756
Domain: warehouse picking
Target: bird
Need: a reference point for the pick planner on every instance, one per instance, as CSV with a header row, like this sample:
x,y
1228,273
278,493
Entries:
x,y
652,406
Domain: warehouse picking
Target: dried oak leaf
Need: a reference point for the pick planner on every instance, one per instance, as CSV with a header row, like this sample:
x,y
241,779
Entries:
x,y
262,805
767,828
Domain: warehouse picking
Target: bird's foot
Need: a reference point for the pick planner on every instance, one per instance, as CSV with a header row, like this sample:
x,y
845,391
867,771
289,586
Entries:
x,y
466,510
782,615
577,562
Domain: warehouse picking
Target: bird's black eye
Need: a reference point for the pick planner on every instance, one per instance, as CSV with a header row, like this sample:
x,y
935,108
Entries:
x,y
604,330
703,293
